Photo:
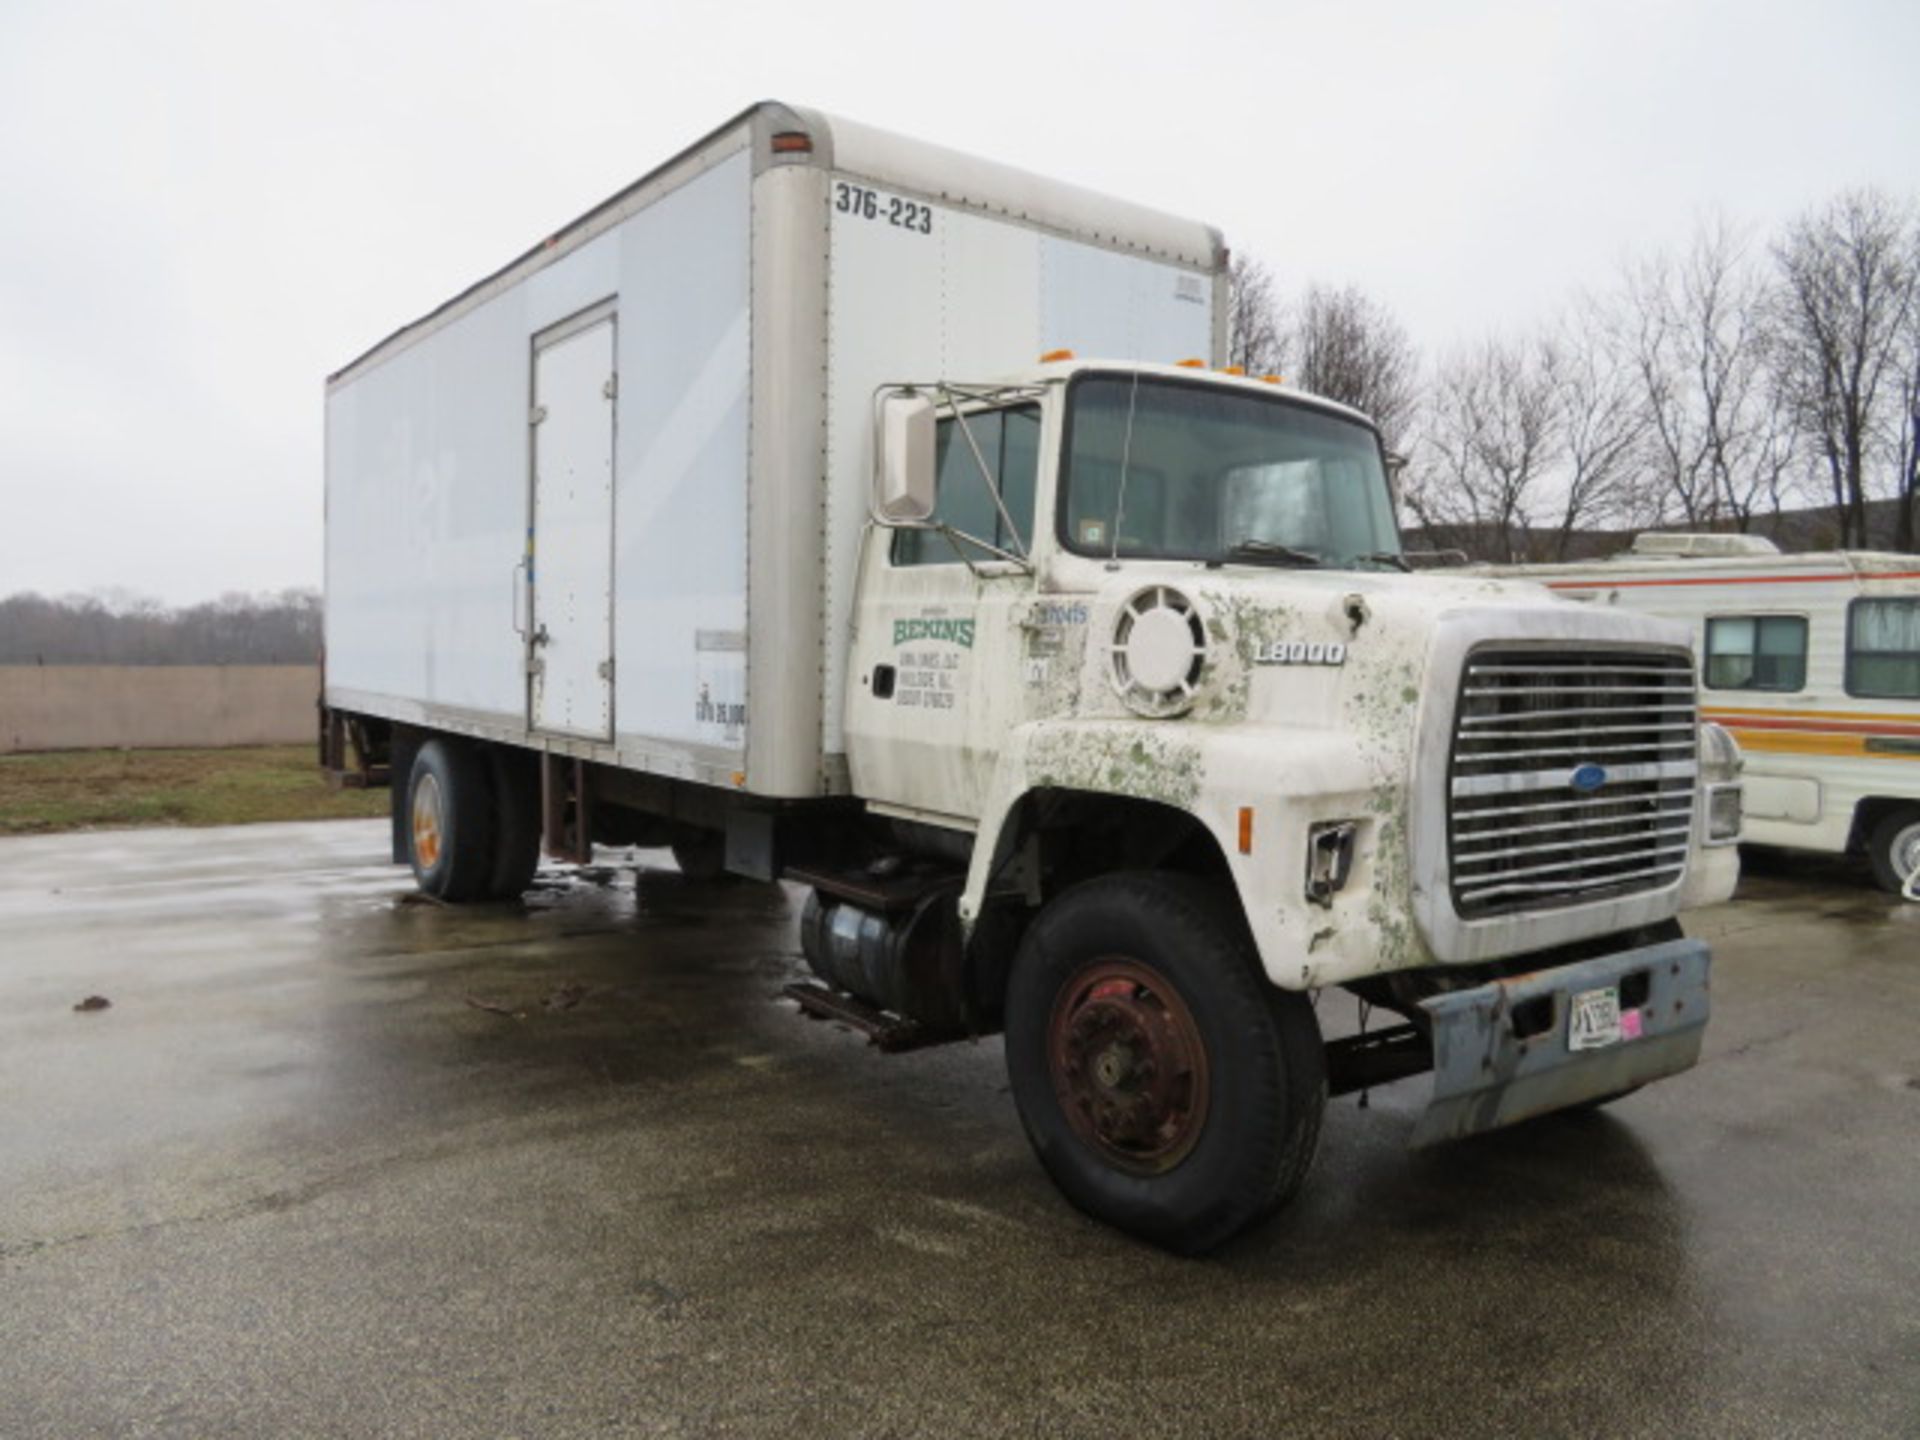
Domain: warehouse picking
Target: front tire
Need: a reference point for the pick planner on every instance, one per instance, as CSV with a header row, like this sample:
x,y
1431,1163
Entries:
x,y
1167,1087
1894,849
450,821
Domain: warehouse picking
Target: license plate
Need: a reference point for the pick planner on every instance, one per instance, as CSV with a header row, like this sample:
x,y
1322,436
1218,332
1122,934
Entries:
x,y
1594,1021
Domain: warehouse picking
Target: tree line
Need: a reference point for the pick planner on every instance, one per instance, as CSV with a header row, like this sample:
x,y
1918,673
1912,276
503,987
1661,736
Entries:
x,y
117,628
1713,386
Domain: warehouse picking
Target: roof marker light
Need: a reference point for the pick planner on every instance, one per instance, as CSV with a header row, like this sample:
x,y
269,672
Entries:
x,y
1191,364
1233,369
1272,379
1053,355
793,142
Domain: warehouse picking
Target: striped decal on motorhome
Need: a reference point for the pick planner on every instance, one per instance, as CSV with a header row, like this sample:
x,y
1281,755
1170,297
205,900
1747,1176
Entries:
x,y
1877,736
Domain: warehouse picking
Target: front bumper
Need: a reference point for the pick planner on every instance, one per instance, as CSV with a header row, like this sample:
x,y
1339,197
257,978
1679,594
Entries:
x,y
1498,1059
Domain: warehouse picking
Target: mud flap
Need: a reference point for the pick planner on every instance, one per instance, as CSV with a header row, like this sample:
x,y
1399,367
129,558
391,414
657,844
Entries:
x,y
1505,1052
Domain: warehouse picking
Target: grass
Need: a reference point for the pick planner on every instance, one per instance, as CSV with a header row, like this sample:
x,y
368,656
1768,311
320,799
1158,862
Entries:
x,y
116,789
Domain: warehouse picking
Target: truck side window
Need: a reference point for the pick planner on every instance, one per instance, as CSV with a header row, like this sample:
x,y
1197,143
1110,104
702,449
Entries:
x,y
1009,442
1883,649
1756,652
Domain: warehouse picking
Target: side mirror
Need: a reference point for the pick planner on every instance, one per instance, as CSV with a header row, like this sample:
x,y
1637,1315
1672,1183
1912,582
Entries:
x,y
906,459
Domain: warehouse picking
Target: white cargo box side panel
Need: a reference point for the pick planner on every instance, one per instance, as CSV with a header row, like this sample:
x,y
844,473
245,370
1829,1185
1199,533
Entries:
x,y
680,509
426,522
428,500
927,292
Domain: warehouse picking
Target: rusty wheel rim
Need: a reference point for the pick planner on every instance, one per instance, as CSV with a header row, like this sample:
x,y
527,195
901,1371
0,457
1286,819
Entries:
x,y
426,821
1128,1065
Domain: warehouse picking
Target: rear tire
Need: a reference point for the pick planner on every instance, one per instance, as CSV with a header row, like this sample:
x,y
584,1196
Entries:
x,y
450,821
1894,849
516,830
1167,1087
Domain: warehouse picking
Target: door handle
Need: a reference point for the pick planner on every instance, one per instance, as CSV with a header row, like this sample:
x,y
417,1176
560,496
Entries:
x,y
520,598
539,637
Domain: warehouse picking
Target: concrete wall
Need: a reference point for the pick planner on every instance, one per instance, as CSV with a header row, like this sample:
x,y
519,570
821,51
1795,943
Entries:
x,y
151,707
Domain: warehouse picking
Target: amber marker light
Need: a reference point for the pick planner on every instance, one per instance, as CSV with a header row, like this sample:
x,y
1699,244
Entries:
x,y
1246,830
1053,355
793,142
1191,364
1271,379
1233,369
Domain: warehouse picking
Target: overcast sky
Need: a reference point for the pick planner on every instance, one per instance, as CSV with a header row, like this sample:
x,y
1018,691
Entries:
x,y
205,208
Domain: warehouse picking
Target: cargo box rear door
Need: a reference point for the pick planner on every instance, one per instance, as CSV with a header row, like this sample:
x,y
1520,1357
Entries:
x,y
571,643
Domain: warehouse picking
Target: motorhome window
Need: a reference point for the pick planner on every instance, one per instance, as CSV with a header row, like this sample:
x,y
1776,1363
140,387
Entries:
x,y
1756,652
1207,468
1883,649
1009,442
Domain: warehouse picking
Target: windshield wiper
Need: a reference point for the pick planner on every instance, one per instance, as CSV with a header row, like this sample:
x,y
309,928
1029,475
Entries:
x,y
1253,548
1387,557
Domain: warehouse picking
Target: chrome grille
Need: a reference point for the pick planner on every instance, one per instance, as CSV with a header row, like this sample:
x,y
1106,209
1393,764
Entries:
x,y
1520,834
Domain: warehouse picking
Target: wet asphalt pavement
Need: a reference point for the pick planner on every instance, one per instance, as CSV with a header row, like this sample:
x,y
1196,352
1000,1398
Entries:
x,y
304,1176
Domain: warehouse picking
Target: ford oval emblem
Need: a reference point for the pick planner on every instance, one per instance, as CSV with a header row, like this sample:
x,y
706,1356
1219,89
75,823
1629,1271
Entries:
x,y
1589,778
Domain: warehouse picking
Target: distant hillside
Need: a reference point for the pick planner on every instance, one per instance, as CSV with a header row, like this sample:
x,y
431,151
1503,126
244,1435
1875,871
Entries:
x,y
282,629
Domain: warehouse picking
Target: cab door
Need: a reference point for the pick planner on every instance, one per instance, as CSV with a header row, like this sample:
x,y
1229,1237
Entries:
x,y
937,645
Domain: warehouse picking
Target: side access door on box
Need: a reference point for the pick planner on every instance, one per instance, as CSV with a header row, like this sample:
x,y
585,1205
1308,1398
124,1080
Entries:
x,y
570,539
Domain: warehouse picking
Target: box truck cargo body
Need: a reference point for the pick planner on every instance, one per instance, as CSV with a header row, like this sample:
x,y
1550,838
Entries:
x,y
645,445
844,510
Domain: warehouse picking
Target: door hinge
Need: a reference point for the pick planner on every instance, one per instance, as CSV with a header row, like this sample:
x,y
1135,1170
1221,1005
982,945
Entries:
x,y
612,387
606,669
536,665
536,415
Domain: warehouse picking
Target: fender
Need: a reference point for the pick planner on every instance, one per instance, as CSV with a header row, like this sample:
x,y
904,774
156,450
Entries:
x,y
1288,778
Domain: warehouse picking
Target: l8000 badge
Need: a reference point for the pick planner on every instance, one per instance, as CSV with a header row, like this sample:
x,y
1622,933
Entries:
x,y
1300,652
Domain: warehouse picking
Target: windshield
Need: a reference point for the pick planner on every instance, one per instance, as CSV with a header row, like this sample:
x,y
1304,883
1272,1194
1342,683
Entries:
x,y
1198,472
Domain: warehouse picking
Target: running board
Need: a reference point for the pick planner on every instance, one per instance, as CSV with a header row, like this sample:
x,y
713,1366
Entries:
x,y
884,1031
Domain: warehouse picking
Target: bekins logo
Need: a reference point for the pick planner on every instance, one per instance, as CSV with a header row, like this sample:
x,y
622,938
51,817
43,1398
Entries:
x,y
1588,778
960,632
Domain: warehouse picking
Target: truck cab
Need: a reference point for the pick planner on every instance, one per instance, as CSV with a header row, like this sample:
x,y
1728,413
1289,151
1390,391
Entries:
x,y
1139,639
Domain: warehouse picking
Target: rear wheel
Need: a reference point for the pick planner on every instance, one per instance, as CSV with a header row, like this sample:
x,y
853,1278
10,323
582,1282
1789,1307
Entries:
x,y
516,822
1166,1086
1894,849
450,821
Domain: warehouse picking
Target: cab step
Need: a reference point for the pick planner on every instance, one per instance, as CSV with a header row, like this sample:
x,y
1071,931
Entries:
x,y
885,1031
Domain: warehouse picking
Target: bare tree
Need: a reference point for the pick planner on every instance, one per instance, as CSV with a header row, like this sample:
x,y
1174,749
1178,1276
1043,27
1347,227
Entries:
x,y
1847,287
1695,330
1904,434
1601,428
1350,348
1492,441
1255,340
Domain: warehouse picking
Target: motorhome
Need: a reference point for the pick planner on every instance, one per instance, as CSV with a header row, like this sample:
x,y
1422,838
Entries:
x,y
1812,661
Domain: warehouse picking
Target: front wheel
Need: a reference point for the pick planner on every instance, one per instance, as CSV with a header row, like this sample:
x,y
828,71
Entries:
x,y
1166,1086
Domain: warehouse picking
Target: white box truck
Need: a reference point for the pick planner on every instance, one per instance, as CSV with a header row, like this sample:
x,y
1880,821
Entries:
x,y
1088,694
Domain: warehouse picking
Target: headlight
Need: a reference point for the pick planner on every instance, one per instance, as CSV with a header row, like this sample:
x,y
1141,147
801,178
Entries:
x,y
1720,765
